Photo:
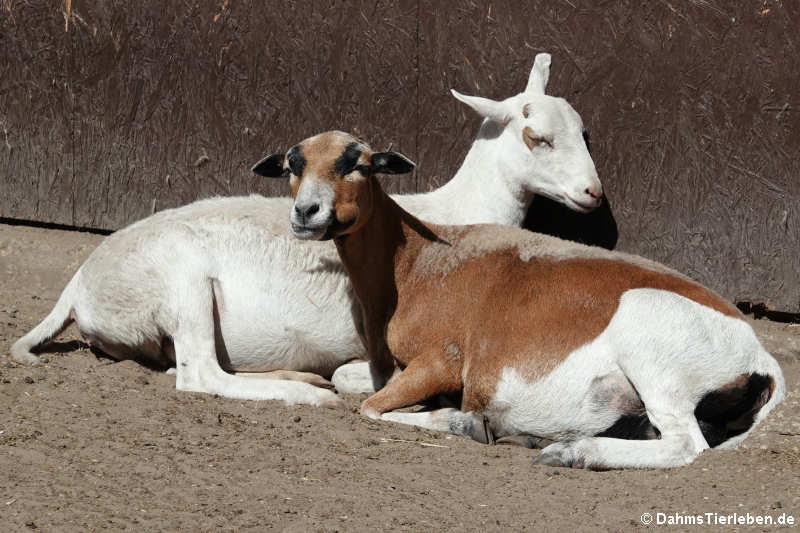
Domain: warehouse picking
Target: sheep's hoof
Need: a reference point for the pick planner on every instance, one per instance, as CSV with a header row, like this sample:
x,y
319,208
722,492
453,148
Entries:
x,y
370,412
526,441
560,454
481,432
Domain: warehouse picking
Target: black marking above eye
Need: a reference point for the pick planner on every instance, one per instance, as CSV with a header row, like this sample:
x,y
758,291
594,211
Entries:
x,y
346,162
297,162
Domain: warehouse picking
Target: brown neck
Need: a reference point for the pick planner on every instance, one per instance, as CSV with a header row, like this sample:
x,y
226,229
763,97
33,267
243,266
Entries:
x,y
370,255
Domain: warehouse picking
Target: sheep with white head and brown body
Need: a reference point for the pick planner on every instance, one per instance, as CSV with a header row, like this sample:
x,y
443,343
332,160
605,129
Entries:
x,y
623,361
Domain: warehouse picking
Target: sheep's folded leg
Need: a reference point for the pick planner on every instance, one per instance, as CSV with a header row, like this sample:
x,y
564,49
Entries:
x,y
290,375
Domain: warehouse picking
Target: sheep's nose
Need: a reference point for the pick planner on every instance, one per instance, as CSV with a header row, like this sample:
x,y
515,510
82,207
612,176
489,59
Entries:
x,y
595,191
306,211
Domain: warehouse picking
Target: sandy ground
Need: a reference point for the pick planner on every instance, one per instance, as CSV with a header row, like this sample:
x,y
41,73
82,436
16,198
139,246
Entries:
x,y
87,444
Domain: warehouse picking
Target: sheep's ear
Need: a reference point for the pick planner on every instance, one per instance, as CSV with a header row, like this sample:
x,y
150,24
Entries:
x,y
270,167
540,74
391,163
491,109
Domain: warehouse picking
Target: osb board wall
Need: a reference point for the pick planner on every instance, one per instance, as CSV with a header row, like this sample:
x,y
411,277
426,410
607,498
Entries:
x,y
111,110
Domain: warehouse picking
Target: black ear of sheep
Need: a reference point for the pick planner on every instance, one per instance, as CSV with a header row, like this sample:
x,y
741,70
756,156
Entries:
x,y
270,167
391,163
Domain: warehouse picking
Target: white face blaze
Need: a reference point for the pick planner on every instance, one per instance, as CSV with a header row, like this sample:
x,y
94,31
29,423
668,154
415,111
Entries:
x,y
313,209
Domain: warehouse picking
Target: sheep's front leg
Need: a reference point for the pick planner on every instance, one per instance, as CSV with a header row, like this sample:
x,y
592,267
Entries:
x,y
447,420
426,376
284,375
290,375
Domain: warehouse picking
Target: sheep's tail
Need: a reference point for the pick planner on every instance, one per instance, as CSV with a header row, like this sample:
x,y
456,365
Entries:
x,y
57,321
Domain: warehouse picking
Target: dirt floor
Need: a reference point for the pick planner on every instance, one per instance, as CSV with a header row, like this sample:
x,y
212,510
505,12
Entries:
x,y
87,444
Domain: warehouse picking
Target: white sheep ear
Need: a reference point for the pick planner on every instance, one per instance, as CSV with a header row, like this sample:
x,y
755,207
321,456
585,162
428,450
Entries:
x,y
540,73
491,109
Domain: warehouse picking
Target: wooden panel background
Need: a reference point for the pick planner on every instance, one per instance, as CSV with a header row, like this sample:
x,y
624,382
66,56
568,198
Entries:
x,y
110,110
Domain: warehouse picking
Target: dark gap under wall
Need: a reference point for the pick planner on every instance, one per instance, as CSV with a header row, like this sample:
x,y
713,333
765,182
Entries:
x,y
50,225
760,310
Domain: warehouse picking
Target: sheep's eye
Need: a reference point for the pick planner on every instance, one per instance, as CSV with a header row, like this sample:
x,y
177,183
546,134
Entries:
x,y
532,140
286,172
